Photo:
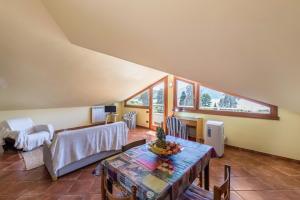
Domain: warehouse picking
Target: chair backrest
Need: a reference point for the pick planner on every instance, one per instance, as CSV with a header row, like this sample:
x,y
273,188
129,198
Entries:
x,y
19,124
130,114
133,144
109,193
224,189
176,127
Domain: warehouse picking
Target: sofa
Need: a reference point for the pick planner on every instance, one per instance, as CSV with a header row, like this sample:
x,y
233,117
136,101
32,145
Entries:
x,y
24,134
74,149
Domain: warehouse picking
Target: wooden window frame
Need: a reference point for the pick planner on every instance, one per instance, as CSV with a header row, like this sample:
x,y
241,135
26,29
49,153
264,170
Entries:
x,y
141,91
195,94
165,81
273,109
138,106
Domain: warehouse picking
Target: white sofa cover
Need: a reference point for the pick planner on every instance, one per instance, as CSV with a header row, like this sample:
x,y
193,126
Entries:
x,y
74,146
26,134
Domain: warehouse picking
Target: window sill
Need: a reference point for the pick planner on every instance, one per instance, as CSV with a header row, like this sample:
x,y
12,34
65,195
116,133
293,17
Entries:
x,y
136,106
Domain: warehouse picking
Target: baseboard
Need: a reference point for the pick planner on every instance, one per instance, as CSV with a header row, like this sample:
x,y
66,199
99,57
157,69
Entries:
x,y
262,153
144,127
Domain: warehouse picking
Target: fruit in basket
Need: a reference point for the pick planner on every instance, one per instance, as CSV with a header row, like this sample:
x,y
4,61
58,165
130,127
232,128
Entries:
x,y
170,149
163,147
161,138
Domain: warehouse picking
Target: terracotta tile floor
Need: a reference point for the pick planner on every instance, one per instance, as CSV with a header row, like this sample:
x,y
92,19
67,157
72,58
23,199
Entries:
x,y
254,177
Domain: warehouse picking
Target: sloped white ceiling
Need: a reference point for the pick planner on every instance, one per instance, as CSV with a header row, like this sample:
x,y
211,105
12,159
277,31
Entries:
x,y
40,68
247,47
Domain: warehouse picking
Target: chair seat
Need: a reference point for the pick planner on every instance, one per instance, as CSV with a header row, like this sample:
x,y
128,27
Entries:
x,y
36,139
196,193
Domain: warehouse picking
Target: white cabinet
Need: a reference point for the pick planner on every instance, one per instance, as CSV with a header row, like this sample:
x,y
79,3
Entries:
x,y
214,136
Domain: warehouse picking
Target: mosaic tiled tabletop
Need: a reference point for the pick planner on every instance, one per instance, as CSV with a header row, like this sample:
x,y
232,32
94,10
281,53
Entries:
x,y
156,177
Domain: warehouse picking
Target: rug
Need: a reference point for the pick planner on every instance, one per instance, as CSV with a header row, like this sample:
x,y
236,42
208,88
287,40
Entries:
x,y
33,159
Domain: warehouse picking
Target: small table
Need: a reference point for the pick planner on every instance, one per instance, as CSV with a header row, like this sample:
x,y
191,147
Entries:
x,y
197,123
112,117
156,177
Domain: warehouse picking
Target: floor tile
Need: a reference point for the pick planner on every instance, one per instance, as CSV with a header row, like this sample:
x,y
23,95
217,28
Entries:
x,y
249,183
254,177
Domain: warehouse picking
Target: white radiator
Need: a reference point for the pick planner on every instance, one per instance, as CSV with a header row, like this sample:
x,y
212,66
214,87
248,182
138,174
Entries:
x,y
98,114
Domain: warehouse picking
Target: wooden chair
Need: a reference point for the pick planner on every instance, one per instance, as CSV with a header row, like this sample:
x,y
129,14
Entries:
x,y
108,194
220,193
176,128
133,144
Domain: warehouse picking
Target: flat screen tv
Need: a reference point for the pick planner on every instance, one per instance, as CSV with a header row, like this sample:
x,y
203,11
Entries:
x,y
110,109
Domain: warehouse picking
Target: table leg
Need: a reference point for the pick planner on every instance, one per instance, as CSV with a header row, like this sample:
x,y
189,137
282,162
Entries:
x,y
200,177
134,191
206,177
102,184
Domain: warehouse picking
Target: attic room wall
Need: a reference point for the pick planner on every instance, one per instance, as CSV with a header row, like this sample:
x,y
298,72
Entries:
x,y
142,116
60,118
269,136
277,137
40,68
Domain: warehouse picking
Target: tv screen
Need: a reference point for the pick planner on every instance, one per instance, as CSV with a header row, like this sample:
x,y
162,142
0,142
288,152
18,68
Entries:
x,y
110,109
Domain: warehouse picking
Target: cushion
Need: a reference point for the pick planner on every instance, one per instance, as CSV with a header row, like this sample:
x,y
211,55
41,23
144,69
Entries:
x,y
20,123
36,139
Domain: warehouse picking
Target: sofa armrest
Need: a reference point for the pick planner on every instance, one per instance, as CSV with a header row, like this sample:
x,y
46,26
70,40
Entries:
x,y
47,158
44,127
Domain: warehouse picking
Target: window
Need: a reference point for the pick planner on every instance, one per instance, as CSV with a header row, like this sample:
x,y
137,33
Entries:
x,y
218,101
185,94
158,104
139,100
209,101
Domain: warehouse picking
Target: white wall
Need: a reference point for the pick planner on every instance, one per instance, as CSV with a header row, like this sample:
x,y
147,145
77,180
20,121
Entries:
x,y
277,137
60,118
142,116
40,68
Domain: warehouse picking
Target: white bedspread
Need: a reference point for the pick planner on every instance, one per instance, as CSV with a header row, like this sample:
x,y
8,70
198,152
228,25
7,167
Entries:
x,y
71,146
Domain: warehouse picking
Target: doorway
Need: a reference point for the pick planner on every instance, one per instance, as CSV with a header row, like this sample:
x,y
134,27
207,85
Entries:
x,y
158,104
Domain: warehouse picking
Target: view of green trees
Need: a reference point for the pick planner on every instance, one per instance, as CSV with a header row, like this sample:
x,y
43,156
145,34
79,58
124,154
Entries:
x,y
228,102
205,100
215,100
144,98
158,101
186,96
140,99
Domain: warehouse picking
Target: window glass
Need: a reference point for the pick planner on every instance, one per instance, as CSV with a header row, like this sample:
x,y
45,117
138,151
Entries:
x,y
185,94
214,100
158,104
141,99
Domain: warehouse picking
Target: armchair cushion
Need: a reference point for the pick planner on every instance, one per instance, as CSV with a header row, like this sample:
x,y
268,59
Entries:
x,y
44,127
17,124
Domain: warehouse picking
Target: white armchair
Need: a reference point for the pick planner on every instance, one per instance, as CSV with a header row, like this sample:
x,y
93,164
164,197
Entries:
x,y
26,135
